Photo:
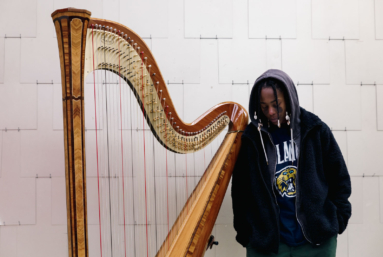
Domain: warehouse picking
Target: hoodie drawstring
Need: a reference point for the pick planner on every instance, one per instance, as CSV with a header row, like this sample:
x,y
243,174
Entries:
x,y
264,151
292,146
263,146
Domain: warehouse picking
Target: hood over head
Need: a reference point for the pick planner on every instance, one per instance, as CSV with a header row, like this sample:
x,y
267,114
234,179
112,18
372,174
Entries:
x,y
291,98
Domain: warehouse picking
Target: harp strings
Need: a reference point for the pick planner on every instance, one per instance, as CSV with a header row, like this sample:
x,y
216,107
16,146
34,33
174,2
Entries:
x,y
144,147
141,186
95,123
122,149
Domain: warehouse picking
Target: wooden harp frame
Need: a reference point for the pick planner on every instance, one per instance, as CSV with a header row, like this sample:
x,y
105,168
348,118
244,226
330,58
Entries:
x,y
71,28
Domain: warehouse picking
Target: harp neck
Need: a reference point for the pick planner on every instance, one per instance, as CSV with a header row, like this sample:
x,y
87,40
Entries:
x,y
127,55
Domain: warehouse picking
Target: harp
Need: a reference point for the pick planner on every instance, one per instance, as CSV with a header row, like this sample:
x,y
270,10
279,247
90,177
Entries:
x,y
90,45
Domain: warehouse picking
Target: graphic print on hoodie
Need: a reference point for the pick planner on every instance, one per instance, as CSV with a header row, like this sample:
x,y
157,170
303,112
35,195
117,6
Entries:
x,y
284,185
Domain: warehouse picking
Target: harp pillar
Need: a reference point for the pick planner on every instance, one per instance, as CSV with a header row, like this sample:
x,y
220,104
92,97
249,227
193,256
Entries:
x,y
71,26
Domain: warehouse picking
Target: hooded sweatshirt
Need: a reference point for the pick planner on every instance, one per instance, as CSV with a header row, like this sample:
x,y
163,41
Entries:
x,y
322,181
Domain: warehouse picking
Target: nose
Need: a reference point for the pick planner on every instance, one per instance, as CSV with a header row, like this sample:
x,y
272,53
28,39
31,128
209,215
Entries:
x,y
271,111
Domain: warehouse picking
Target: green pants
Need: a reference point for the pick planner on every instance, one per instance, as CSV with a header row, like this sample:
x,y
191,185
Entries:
x,y
327,249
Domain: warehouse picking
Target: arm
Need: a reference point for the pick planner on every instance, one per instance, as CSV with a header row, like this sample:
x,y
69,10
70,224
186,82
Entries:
x,y
337,177
239,193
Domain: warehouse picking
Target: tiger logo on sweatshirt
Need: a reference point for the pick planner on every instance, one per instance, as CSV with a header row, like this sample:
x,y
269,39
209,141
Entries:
x,y
285,181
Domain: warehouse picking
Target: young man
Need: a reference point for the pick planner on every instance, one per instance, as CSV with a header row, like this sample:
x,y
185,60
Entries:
x,y
290,184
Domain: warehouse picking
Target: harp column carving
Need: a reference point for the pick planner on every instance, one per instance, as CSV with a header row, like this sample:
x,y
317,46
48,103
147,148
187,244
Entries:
x,y
71,32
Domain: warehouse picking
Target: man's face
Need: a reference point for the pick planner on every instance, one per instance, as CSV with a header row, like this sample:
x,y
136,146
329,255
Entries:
x,y
269,105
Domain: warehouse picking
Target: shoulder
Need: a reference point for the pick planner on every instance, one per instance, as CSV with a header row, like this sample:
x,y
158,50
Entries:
x,y
250,131
318,132
250,138
310,121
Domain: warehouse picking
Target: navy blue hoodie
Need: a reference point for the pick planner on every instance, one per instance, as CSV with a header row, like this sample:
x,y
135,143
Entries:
x,y
322,184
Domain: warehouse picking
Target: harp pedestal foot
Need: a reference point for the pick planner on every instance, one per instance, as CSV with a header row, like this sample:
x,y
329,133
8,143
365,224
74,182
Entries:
x,y
211,242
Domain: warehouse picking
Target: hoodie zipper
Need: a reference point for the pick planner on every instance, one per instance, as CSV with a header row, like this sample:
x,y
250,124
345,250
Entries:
x,y
296,197
272,185
296,188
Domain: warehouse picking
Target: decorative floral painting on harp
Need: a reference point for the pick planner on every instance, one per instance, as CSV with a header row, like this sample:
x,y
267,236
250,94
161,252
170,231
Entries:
x,y
148,183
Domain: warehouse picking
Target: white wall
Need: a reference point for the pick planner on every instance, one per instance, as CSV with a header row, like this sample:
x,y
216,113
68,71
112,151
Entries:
x,y
332,49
